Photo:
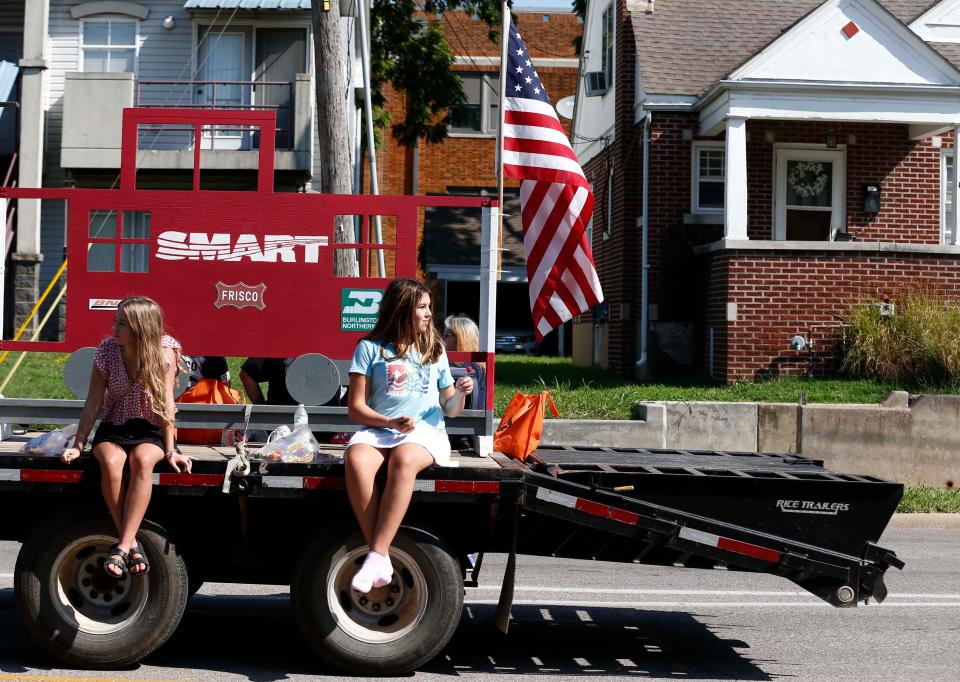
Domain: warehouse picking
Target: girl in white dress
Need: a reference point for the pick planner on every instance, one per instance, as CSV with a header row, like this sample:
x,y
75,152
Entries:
x,y
400,390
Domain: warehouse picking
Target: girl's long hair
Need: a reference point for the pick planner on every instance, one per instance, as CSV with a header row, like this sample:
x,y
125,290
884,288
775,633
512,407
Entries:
x,y
145,319
396,323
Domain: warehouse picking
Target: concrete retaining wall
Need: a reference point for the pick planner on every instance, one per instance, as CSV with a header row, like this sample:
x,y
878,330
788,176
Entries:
x,y
916,441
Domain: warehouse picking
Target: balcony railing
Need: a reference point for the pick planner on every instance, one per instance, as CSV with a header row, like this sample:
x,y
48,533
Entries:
x,y
93,105
207,94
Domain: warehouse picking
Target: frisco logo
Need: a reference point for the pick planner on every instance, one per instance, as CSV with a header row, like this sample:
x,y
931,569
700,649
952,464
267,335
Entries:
x,y
218,246
812,507
240,295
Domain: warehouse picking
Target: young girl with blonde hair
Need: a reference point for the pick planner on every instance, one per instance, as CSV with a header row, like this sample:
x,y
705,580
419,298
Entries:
x,y
462,334
400,389
132,380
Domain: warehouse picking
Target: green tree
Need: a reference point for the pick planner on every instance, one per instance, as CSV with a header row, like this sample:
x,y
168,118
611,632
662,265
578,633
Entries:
x,y
414,57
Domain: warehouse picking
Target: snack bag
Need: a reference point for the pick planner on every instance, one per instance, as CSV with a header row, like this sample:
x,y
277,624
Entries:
x,y
298,446
51,443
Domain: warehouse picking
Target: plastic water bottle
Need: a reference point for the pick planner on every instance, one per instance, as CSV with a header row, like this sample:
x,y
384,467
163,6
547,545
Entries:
x,y
300,416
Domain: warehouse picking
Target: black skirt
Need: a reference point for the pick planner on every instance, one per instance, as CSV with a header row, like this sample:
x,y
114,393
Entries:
x,y
128,435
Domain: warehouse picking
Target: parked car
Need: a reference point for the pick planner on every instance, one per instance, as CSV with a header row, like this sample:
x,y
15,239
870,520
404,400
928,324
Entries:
x,y
515,341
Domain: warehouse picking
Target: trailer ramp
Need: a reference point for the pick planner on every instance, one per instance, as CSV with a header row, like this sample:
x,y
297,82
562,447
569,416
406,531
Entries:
x,y
780,514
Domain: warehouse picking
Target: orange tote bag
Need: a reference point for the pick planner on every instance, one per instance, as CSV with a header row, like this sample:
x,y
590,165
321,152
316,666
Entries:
x,y
521,427
208,392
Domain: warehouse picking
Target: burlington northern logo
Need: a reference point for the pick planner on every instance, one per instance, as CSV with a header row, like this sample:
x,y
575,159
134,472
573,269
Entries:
x,y
240,295
218,246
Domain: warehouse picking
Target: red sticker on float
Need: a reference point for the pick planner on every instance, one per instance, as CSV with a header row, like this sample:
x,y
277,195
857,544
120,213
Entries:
x,y
240,295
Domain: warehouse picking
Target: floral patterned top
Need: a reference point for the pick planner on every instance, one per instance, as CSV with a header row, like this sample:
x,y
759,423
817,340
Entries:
x,y
124,399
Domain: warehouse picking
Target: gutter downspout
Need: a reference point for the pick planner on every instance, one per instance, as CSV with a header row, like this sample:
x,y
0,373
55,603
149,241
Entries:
x,y
357,154
641,365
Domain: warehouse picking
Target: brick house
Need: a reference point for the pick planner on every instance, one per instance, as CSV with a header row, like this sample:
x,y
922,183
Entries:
x,y
465,162
773,163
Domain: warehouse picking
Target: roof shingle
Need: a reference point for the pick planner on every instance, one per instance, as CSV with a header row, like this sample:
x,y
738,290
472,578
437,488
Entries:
x,y
685,46
951,51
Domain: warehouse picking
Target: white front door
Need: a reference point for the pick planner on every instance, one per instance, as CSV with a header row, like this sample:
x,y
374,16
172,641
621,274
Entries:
x,y
221,63
810,197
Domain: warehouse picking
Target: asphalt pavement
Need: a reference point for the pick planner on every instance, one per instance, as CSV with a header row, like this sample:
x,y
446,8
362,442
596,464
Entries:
x,y
576,618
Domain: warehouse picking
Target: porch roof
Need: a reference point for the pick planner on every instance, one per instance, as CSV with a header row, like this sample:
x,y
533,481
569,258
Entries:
x,y
927,109
247,4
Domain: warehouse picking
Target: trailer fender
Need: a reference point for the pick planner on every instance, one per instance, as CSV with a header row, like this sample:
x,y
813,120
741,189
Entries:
x,y
82,616
390,630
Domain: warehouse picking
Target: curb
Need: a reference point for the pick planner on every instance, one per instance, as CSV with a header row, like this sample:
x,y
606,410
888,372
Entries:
x,y
931,521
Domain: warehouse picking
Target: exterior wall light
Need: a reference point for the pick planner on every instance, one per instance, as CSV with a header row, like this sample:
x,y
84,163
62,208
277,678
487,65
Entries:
x,y
169,22
871,199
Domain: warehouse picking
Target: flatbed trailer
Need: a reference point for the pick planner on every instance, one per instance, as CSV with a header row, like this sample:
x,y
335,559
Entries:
x,y
290,524
254,274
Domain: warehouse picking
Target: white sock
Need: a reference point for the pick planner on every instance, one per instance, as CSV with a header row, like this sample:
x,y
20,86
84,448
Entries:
x,y
385,574
364,579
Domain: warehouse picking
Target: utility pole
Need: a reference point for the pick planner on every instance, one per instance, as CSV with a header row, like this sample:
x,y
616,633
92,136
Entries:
x,y
336,176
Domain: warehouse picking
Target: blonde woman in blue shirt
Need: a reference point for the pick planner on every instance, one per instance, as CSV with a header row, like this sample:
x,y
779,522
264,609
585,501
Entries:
x,y
400,390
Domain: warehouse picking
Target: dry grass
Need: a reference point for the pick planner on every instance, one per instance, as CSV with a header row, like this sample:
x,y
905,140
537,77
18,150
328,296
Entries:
x,y
919,342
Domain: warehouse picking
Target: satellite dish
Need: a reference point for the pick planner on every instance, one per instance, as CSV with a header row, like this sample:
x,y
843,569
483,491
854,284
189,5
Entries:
x,y
565,106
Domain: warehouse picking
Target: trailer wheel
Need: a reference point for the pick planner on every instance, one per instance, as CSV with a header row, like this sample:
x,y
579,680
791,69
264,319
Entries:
x,y
81,615
391,630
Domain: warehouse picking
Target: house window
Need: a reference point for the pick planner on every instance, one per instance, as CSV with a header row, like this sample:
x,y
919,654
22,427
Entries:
x,y
118,248
109,45
606,51
948,180
810,186
480,113
709,172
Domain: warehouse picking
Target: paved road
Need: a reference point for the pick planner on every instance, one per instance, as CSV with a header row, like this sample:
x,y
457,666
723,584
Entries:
x,y
587,619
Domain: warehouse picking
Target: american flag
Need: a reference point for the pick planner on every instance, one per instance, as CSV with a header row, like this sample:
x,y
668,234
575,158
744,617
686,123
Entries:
x,y
555,197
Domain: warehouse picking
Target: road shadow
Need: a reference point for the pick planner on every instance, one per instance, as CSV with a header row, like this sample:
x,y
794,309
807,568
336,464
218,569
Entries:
x,y
590,640
255,637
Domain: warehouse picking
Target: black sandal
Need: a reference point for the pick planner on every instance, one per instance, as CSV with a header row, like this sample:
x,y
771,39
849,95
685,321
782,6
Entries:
x,y
120,563
140,560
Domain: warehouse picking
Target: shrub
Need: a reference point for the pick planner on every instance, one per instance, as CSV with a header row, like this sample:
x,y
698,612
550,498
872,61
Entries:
x,y
920,341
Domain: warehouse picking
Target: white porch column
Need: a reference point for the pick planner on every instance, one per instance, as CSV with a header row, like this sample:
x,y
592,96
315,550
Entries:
x,y
952,229
735,180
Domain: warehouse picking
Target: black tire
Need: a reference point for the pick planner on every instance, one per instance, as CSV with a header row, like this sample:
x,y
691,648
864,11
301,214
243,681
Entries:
x,y
397,637
85,618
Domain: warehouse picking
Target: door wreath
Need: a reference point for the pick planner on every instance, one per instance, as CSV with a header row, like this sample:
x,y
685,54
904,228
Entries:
x,y
808,178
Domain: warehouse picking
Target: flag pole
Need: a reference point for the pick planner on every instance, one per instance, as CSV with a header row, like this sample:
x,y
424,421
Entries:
x,y
501,111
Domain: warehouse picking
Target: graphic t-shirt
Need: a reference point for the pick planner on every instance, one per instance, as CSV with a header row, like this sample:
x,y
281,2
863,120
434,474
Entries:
x,y
402,387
